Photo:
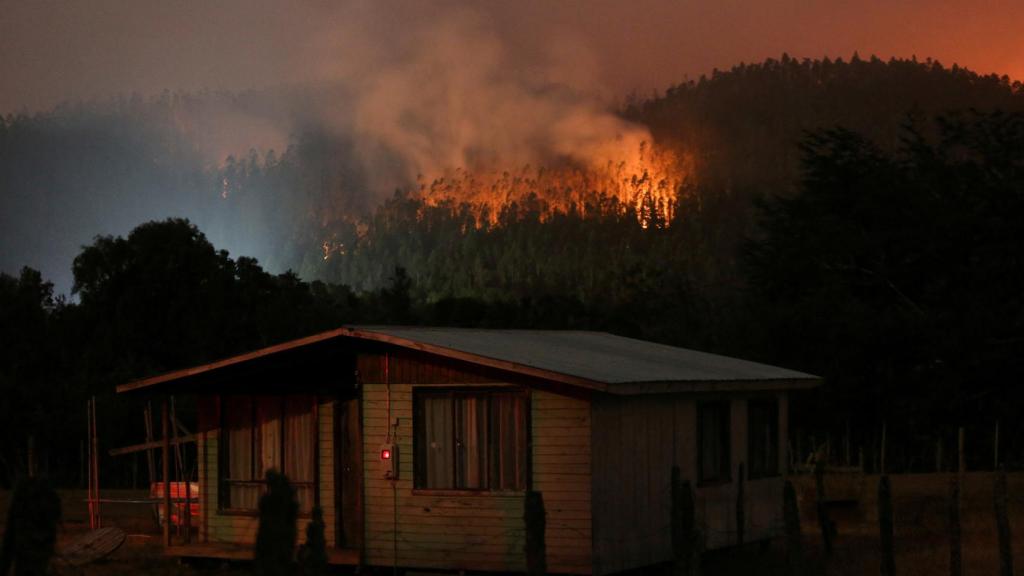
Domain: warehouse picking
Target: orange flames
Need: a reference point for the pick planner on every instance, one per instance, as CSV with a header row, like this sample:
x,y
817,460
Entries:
x,y
637,179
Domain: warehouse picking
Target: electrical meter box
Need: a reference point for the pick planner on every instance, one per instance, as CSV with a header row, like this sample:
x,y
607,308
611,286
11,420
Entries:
x,y
389,461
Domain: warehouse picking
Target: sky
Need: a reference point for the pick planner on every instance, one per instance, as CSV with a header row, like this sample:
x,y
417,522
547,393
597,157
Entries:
x,y
52,50
417,86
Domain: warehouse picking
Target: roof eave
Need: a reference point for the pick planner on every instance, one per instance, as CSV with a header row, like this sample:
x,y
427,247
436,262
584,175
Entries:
x,y
751,385
368,335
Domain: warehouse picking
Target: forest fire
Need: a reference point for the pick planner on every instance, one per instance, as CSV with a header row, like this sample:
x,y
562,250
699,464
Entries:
x,y
637,179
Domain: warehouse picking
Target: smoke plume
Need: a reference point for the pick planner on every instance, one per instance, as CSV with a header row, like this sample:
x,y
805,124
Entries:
x,y
453,92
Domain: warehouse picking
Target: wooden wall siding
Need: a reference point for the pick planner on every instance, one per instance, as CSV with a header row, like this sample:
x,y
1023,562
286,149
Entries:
x,y
561,457
217,528
636,442
325,454
476,532
411,367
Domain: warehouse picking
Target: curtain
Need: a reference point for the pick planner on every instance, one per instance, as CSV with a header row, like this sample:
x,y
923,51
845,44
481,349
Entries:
x,y
268,434
508,436
439,450
299,434
238,411
471,442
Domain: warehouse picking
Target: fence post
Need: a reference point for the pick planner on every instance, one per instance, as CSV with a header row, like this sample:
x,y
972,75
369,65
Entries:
x,y
955,541
881,464
823,521
995,449
961,454
1003,524
885,526
741,517
791,516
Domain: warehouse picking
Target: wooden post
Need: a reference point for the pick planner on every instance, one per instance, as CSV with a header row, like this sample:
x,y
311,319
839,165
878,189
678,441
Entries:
x,y
881,462
167,473
148,416
188,507
824,524
96,466
88,443
955,534
1003,524
791,515
885,527
178,467
961,455
846,446
995,449
741,516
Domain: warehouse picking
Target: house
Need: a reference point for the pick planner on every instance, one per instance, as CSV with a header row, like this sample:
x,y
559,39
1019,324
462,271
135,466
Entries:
x,y
419,444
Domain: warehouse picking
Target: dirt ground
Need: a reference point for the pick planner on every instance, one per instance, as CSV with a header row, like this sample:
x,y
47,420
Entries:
x,y
920,511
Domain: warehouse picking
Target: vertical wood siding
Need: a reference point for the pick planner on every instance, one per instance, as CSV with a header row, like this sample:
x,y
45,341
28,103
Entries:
x,y
636,441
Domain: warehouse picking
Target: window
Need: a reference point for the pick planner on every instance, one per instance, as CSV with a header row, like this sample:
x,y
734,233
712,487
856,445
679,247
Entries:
x,y
763,437
713,442
260,433
470,440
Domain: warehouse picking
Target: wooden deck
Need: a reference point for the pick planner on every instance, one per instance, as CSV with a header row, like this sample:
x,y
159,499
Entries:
x,y
335,556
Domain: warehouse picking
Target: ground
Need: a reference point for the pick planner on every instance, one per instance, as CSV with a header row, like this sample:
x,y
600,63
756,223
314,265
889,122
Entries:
x,y
921,512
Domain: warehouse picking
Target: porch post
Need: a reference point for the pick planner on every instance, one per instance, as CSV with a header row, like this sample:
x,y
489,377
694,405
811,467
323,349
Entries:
x,y
167,474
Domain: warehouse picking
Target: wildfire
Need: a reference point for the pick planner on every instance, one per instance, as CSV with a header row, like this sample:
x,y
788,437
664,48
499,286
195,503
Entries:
x,y
637,181
642,180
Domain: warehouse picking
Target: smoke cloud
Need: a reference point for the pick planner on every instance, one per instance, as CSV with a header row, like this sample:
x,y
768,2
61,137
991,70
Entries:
x,y
454,92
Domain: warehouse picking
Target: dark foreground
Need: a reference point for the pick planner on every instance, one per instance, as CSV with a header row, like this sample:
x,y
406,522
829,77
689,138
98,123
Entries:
x,y
921,512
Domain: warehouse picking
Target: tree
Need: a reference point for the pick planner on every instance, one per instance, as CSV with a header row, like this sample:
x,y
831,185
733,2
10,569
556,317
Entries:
x,y
897,276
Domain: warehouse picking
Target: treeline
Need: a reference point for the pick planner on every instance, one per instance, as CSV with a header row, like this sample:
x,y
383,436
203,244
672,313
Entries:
x,y
883,256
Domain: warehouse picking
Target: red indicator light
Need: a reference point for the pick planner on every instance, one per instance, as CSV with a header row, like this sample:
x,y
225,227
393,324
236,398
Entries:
x,y
385,454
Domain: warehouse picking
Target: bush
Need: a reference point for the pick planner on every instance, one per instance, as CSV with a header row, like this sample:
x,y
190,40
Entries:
x,y
313,554
31,531
275,538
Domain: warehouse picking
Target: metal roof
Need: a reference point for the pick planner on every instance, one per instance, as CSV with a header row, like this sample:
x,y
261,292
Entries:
x,y
594,360
594,356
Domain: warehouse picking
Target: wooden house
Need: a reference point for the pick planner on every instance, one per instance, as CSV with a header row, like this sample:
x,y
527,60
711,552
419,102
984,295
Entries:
x,y
419,444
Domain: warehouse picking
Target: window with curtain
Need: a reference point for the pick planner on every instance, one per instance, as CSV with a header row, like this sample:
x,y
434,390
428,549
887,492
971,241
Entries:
x,y
260,433
713,458
470,439
763,437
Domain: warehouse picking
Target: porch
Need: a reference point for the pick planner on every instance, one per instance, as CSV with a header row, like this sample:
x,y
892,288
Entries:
x,y
224,551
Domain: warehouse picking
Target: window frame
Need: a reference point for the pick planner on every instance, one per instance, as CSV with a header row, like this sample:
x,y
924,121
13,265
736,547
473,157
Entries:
x,y
223,453
725,471
418,436
775,470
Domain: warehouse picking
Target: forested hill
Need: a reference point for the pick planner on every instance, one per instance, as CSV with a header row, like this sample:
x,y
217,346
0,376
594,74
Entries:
x,y
743,129
745,124
100,168
858,220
